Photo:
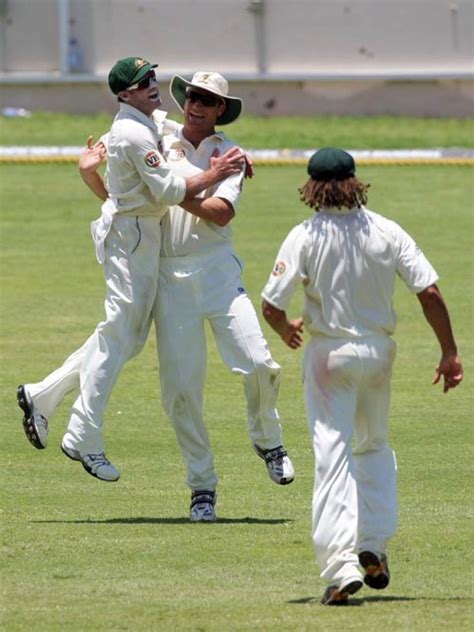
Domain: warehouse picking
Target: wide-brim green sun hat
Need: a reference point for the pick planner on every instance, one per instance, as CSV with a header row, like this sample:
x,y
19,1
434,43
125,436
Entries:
x,y
212,82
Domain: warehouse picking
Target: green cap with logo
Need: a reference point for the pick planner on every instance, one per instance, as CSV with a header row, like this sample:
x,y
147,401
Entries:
x,y
330,163
128,71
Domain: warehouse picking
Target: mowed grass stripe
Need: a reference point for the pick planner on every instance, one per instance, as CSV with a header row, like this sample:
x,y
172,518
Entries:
x,y
79,554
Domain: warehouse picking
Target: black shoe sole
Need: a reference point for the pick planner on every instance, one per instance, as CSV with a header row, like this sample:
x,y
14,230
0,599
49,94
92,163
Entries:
x,y
379,581
28,425
333,596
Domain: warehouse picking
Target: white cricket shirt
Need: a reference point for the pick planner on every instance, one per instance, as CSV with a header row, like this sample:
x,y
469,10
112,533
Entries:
x,y
137,176
347,261
184,234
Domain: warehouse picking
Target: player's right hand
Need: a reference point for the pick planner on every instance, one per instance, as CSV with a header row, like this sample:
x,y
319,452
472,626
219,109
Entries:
x,y
229,164
91,156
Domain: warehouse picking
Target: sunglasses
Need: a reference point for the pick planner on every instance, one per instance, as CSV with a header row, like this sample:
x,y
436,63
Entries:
x,y
144,83
207,100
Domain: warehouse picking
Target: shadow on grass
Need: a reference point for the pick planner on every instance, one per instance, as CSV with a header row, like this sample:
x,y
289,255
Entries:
x,y
354,601
146,520
359,601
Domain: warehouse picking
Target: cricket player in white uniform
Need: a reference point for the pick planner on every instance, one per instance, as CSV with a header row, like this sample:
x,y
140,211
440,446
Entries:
x,y
347,258
200,279
197,261
128,239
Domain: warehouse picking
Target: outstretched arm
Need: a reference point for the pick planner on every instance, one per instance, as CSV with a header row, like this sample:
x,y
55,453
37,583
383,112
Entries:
x,y
289,330
89,161
436,313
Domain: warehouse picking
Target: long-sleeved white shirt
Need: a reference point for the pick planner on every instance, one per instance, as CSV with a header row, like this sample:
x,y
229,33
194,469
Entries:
x,y
138,177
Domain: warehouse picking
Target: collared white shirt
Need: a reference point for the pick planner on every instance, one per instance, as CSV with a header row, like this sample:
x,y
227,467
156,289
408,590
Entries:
x,y
185,234
347,261
137,176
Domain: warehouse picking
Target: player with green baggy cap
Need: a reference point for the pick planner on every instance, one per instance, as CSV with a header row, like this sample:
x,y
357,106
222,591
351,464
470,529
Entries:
x,y
347,258
199,280
127,73
127,236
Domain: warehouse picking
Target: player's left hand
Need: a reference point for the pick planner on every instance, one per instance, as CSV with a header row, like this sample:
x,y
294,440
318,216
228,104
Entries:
x,y
450,368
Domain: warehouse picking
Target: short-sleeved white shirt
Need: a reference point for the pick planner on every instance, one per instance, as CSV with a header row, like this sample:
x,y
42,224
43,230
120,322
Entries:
x,y
185,234
347,261
137,176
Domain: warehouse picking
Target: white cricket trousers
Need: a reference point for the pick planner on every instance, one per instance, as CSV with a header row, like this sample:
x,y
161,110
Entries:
x,y
191,291
131,274
347,393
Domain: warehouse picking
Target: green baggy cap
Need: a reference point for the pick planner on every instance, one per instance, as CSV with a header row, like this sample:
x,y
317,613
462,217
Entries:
x,y
127,72
330,163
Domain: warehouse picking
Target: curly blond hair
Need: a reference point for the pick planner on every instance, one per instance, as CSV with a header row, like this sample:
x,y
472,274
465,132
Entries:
x,y
323,194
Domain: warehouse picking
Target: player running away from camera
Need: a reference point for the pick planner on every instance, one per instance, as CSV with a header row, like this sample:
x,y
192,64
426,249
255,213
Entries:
x,y
128,239
200,279
347,258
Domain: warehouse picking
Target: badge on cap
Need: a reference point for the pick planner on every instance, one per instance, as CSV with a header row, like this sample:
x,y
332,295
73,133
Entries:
x,y
152,159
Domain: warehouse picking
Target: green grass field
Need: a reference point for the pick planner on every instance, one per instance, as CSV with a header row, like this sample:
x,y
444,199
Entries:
x,y
80,554
356,132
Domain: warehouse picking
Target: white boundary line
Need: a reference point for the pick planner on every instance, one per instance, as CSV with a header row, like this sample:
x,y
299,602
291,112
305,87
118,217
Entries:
x,y
65,153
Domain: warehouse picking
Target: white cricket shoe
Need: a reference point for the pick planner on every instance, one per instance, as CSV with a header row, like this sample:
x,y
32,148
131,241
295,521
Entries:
x,y
202,506
95,464
279,465
35,425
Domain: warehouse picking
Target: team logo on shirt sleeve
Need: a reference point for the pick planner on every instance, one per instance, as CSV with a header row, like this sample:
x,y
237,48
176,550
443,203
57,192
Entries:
x,y
152,159
176,154
279,268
